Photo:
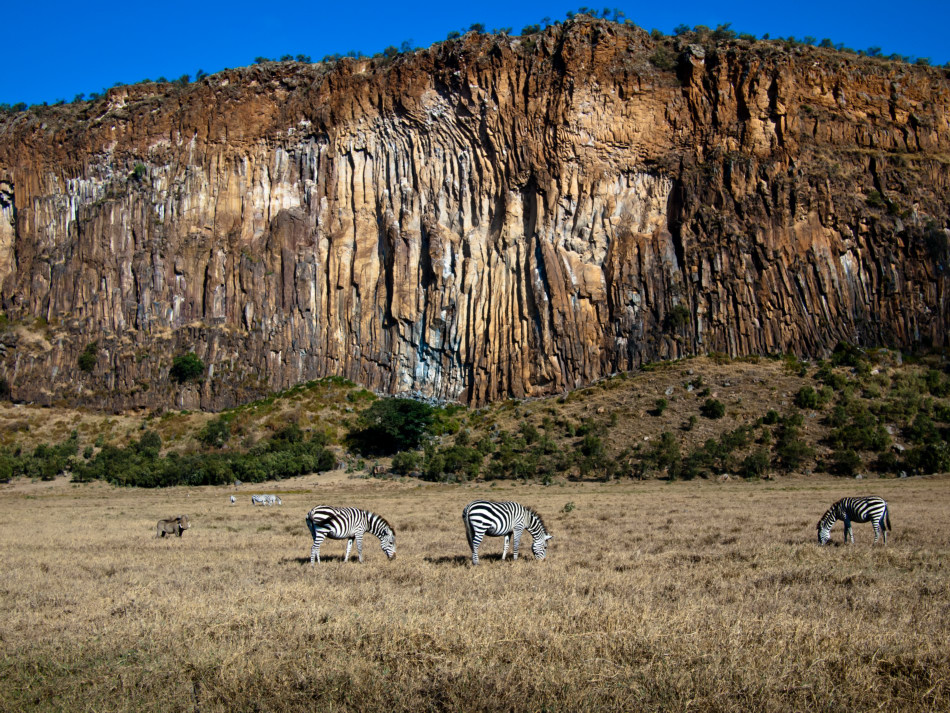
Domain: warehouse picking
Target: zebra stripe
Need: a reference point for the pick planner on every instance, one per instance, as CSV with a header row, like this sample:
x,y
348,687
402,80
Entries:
x,y
265,500
855,510
485,517
348,524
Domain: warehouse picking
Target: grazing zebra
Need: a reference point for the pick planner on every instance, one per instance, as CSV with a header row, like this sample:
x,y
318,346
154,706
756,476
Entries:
x,y
265,500
484,517
348,524
233,500
855,510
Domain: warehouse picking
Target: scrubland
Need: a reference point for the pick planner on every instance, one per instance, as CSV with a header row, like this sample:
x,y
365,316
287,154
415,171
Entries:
x,y
655,595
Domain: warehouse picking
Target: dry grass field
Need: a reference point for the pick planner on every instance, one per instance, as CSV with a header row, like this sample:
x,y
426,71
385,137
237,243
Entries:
x,y
654,596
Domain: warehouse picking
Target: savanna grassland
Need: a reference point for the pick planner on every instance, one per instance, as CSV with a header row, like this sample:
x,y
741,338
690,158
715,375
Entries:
x,y
655,596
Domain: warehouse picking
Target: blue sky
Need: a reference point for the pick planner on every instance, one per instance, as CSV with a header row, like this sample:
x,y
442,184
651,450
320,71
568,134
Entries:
x,y
56,49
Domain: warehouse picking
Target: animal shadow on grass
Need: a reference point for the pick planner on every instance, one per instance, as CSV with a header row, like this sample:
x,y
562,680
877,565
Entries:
x,y
462,560
323,559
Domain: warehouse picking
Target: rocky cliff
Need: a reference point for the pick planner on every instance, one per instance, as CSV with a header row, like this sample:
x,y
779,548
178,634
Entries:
x,y
489,217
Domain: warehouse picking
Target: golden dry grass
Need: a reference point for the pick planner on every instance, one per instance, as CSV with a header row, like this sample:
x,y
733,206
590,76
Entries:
x,y
654,596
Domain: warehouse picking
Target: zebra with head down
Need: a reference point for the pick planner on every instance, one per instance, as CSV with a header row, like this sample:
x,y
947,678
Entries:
x,y
510,519
265,500
871,508
348,524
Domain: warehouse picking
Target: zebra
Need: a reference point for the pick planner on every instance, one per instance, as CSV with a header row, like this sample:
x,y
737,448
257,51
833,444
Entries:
x,y
855,510
348,524
265,500
233,500
484,517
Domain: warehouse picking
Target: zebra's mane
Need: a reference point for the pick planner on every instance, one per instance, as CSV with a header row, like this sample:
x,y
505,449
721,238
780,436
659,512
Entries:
x,y
383,521
540,521
831,514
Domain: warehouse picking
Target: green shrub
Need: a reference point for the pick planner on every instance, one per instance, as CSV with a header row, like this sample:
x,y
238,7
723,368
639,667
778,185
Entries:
x,y
808,398
676,319
391,425
791,450
149,445
860,430
215,433
846,354
929,458
453,464
829,378
406,462
845,462
664,455
660,407
922,430
713,408
756,464
87,360
186,367
529,432
793,365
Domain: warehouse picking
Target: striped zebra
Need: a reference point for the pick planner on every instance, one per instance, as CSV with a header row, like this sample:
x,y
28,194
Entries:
x,y
484,517
855,510
265,500
348,524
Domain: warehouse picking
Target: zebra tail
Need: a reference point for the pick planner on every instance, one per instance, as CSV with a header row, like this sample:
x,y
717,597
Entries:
x,y
887,518
469,533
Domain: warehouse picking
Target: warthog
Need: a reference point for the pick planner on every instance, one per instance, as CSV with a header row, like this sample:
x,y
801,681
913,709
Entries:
x,y
172,526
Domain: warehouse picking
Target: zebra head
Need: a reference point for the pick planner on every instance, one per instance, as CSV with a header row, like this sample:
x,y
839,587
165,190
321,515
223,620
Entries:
x,y
825,524
540,546
388,543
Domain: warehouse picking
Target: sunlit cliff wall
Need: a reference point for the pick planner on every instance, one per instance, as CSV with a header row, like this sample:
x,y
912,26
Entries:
x,y
490,217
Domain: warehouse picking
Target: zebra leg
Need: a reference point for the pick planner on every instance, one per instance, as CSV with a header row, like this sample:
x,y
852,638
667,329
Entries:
x,y
359,545
848,532
349,545
476,541
318,539
504,550
516,541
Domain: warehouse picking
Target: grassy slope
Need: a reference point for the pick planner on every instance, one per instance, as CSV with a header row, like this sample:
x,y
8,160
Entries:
x,y
621,410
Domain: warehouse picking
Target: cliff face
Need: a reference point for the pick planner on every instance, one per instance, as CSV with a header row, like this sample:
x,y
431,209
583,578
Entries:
x,y
490,217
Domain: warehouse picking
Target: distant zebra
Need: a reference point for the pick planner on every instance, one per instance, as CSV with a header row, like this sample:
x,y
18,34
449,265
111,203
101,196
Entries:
x,y
484,517
855,510
265,500
348,524
233,500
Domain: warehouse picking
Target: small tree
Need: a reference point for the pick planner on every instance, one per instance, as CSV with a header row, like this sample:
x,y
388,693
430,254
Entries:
x,y
87,360
215,433
186,367
391,425
713,408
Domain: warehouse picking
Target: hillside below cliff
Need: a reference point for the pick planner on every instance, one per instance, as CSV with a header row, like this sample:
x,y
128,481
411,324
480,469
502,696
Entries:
x,y
489,217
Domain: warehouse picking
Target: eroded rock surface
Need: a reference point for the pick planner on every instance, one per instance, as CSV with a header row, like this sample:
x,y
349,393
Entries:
x,y
490,217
